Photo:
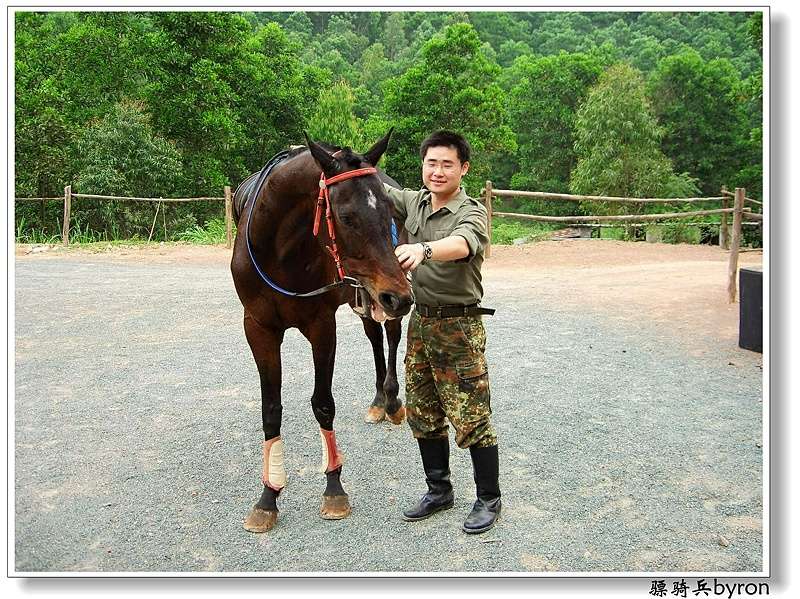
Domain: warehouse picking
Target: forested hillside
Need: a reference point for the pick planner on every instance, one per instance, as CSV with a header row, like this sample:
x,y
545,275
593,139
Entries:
x,y
664,104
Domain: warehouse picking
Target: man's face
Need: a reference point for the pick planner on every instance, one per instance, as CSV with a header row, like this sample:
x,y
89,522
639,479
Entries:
x,y
442,171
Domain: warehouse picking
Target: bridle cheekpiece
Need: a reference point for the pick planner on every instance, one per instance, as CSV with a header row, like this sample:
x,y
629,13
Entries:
x,y
324,199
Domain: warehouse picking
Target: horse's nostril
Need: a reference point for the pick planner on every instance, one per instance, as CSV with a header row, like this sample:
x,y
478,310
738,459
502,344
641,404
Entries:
x,y
389,301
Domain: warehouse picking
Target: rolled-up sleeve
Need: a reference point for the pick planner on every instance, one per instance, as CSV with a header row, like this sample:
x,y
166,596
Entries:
x,y
472,227
401,199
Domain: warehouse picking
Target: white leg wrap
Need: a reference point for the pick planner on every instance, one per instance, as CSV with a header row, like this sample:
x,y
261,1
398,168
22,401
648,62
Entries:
x,y
273,473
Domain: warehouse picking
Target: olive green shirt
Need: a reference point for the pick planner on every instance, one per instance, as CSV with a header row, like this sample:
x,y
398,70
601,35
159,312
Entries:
x,y
437,283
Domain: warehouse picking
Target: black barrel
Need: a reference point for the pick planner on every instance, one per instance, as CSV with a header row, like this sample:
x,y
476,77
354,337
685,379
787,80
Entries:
x,y
751,300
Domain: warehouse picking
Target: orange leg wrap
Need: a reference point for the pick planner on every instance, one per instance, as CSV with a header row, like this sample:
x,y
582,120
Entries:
x,y
331,458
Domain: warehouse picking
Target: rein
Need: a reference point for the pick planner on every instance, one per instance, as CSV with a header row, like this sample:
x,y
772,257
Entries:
x,y
322,200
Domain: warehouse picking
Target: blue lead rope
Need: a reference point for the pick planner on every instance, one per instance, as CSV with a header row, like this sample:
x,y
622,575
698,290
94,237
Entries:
x,y
395,241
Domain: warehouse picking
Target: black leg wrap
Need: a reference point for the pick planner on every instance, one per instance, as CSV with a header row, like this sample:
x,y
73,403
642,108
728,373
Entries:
x,y
484,514
436,463
334,483
268,499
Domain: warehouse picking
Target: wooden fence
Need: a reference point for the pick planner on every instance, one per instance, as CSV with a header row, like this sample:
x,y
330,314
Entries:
x,y
69,197
730,237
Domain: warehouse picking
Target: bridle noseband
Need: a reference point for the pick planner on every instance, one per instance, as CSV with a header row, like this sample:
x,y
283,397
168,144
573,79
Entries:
x,y
322,199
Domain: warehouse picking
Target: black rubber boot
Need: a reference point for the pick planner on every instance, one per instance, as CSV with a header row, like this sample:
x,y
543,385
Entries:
x,y
484,514
436,462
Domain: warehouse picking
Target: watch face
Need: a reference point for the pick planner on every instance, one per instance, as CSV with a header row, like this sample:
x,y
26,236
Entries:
x,y
428,251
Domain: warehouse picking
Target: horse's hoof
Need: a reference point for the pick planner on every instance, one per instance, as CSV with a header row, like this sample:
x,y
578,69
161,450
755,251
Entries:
x,y
260,520
397,417
335,507
374,415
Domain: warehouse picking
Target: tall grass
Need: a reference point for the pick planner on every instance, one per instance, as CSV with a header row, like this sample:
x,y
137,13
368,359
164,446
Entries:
x,y
212,233
506,231
25,235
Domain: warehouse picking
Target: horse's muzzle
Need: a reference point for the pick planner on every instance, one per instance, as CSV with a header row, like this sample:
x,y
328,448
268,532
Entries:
x,y
395,305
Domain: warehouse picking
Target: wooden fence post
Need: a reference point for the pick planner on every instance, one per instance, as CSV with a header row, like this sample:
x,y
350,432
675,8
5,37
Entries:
x,y
228,217
67,209
733,262
724,233
487,200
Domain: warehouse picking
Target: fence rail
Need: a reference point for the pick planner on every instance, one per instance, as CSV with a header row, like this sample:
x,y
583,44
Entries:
x,y
728,239
69,196
88,196
543,195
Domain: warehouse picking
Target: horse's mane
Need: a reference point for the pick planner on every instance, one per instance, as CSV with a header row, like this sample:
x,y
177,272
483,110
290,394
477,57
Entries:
x,y
348,156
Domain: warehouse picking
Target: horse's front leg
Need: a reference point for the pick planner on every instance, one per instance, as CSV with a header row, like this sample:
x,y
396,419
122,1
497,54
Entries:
x,y
322,335
395,412
266,347
377,409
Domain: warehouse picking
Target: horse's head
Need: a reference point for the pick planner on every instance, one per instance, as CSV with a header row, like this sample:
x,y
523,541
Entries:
x,y
362,218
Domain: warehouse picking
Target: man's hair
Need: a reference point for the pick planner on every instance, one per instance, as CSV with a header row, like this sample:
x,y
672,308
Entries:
x,y
448,139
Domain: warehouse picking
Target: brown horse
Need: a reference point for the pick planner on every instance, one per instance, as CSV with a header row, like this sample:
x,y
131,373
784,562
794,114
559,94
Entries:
x,y
320,215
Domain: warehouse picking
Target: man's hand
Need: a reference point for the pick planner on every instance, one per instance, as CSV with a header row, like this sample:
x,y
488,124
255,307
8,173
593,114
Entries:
x,y
409,255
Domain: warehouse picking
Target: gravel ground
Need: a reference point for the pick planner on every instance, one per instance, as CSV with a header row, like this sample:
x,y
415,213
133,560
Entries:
x,y
138,441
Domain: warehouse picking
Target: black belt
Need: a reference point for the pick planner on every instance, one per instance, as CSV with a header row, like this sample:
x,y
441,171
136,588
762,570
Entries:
x,y
452,311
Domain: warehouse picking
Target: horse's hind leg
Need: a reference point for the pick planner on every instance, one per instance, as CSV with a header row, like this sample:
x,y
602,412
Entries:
x,y
395,412
266,347
377,408
322,335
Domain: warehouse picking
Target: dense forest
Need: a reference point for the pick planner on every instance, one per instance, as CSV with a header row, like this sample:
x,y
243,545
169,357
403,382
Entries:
x,y
655,104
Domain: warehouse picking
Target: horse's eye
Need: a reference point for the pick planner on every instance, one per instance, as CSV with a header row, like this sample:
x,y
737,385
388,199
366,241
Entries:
x,y
348,220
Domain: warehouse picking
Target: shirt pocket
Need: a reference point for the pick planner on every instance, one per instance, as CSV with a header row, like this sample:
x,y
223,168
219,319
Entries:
x,y
412,226
441,234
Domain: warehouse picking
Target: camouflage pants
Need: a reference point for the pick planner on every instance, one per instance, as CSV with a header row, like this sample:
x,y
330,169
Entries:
x,y
447,379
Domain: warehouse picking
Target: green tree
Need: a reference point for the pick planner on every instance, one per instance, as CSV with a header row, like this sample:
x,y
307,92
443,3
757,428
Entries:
x,y
228,97
452,86
333,119
70,68
121,155
393,36
542,106
696,102
617,142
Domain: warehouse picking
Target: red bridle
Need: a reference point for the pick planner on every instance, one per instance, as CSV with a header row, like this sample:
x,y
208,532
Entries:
x,y
324,197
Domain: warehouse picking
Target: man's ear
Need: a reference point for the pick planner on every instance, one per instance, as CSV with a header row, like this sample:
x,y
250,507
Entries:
x,y
373,155
464,168
325,161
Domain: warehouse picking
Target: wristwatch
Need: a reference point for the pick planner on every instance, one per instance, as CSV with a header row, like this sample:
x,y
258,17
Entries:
x,y
427,251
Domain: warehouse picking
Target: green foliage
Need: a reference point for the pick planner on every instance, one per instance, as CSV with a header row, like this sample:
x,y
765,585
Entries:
x,y
696,103
674,232
212,233
27,234
617,142
505,231
452,86
542,104
120,155
220,92
334,120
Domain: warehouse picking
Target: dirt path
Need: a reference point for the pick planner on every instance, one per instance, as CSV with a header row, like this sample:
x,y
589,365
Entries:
x,y
679,288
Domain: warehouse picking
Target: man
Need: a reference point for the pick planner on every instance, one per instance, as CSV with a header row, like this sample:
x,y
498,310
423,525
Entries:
x,y
446,371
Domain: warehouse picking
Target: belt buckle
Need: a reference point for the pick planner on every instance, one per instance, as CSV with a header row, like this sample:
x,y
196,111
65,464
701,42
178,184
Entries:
x,y
438,312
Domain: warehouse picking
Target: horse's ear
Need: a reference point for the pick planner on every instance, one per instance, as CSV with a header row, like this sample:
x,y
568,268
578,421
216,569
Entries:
x,y
325,161
373,155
